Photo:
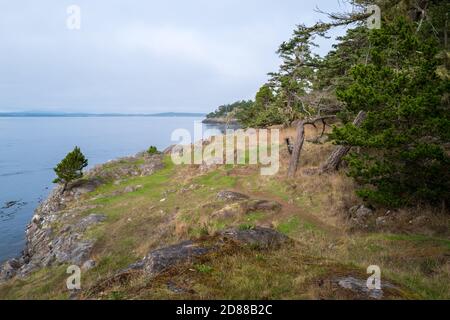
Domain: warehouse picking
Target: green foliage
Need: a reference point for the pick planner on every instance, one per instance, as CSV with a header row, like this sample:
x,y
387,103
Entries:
x,y
152,150
351,49
281,100
70,168
402,160
230,109
203,268
246,226
289,226
262,112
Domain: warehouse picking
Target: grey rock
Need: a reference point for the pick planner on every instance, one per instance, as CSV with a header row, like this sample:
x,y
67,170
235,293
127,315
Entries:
x,y
174,149
264,205
228,211
360,212
89,221
381,221
45,247
129,189
259,237
88,265
82,186
71,249
9,269
359,287
162,259
231,196
172,286
10,204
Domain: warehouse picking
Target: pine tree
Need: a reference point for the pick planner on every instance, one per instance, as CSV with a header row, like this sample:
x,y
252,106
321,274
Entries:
x,y
70,168
403,158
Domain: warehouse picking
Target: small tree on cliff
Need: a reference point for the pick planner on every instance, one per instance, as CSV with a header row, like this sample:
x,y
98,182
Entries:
x,y
70,168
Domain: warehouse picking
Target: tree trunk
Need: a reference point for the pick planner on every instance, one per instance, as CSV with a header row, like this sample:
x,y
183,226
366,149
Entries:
x,y
335,158
293,164
446,32
64,188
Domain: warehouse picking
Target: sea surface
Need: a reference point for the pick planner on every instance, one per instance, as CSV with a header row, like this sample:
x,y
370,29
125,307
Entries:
x,y
30,147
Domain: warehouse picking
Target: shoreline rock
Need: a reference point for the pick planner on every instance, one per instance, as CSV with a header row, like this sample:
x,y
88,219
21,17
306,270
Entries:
x,y
46,246
221,121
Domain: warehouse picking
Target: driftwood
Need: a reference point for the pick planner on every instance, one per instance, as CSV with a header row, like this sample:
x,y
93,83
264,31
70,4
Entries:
x,y
335,158
293,164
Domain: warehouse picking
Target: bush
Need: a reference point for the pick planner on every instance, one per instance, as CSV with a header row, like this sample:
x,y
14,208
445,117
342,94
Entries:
x,y
152,150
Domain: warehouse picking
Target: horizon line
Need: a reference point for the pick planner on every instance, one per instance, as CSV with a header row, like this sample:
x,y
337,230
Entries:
x,y
87,114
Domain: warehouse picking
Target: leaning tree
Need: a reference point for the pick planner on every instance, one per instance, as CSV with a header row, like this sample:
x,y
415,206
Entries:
x,y
70,168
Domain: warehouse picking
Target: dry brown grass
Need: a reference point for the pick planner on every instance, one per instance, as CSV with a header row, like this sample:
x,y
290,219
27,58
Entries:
x,y
314,213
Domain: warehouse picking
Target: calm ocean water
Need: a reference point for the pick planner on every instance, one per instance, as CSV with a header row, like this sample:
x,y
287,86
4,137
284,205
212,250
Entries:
x,y
31,147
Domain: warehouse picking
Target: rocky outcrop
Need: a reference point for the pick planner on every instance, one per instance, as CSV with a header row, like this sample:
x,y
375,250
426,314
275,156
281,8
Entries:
x,y
262,205
160,260
258,237
359,288
359,216
241,204
143,164
231,196
56,234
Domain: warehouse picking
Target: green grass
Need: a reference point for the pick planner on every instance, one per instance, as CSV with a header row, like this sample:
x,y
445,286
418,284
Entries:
x,y
203,268
47,283
255,216
217,178
138,222
289,226
418,239
246,226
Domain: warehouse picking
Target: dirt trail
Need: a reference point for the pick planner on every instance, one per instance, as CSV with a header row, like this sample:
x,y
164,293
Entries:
x,y
290,210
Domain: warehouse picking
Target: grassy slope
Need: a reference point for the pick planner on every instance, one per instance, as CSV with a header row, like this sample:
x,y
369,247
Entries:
x,y
176,203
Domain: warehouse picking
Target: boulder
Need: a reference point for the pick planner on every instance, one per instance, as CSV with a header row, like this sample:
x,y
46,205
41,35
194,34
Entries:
x,y
231,196
259,237
162,259
82,186
71,249
229,211
87,265
359,287
130,189
360,212
264,205
9,269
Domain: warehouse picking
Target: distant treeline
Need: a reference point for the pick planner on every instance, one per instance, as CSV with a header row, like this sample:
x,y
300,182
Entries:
x,y
396,73
230,110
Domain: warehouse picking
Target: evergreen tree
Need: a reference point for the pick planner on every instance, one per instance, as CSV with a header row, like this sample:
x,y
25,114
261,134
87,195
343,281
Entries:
x,y
403,158
70,168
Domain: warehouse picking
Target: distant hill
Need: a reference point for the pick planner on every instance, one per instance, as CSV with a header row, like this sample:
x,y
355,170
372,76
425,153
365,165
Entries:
x,y
62,114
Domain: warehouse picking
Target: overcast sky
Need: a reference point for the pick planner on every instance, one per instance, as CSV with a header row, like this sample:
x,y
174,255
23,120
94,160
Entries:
x,y
143,56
